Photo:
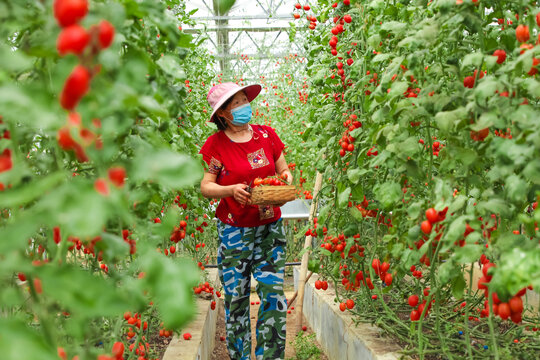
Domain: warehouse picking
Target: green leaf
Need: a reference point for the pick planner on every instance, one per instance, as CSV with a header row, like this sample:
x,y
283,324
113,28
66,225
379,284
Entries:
x,y
355,213
474,59
533,87
458,202
343,198
98,297
169,221
515,270
325,210
388,194
18,232
414,209
446,120
516,188
398,88
69,207
468,253
151,106
395,27
314,265
354,175
171,66
222,7
171,284
13,61
456,229
446,272
490,61
19,341
167,168
114,247
486,88
486,120
495,206
25,194
409,147
458,286
532,171
467,156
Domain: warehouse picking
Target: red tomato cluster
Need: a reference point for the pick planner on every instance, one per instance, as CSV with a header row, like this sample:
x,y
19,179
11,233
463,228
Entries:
x,y
501,55
179,232
348,304
469,81
433,216
203,287
180,204
86,45
382,271
164,332
339,243
413,301
479,135
116,176
134,322
312,19
362,207
512,309
321,284
372,152
271,180
313,232
415,272
132,245
504,134
6,163
339,28
347,141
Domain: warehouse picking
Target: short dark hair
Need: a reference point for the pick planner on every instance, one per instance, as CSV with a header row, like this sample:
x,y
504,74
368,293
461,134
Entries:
x,y
220,122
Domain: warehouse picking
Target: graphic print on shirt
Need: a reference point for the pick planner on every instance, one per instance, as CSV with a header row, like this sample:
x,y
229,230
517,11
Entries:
x,y
266,212
230,219
257,159
215,166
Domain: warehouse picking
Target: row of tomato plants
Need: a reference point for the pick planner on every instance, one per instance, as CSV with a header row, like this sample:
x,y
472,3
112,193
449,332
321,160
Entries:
x,y
101,123
99,178
425,117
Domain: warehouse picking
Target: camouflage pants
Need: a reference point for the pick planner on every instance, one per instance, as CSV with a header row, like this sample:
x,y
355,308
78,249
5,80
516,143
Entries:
x,y
261,251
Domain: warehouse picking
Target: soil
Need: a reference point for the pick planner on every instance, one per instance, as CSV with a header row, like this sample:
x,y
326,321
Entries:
x,y
158,344
220,350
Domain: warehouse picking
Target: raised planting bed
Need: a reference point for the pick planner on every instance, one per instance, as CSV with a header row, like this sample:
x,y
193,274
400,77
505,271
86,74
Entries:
x,y
202,330
339,337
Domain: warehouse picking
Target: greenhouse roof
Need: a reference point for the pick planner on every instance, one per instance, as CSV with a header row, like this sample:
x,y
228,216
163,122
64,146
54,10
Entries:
x,y
248,39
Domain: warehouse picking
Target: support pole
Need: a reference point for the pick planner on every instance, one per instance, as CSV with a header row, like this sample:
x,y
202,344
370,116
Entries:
x,y
305,256
290,302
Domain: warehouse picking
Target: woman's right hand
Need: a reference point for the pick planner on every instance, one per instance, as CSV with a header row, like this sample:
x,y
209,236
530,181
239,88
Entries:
x,y
240,194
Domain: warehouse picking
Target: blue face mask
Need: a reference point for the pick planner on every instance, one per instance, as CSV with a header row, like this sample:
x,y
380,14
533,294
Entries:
x,y
241,115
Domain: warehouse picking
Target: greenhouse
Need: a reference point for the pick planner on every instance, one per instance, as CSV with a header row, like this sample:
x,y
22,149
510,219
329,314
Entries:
x,y
269,179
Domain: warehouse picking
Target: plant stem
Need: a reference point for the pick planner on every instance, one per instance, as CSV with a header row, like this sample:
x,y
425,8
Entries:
x,y
490,323
466,320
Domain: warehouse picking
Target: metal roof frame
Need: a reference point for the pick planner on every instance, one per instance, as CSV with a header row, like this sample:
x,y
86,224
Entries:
x,y
272,13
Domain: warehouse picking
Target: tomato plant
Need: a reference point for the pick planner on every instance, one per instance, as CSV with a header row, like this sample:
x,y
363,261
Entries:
x,y
442,175
97,142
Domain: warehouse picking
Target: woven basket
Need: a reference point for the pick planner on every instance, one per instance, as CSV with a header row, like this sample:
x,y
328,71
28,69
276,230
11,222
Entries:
x,y
272,195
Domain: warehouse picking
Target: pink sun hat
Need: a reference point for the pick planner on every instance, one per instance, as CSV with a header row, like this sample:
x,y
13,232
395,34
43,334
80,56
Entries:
x,y
220,93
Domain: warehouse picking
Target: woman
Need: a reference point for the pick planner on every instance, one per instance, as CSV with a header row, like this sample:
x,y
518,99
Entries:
x,y
252,240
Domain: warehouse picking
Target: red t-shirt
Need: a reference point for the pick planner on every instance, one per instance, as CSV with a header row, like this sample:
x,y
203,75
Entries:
x,y
238,163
